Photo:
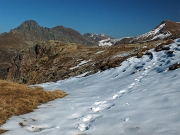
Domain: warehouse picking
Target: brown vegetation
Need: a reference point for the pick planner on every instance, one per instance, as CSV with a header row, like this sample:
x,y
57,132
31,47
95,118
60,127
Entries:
x,y
54,60
17,99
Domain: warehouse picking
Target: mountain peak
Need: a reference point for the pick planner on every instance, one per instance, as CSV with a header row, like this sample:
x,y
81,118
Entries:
x,y
32,22
28,25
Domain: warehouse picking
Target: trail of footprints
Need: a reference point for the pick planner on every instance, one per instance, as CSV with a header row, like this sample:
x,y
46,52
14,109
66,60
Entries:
x,y
86,121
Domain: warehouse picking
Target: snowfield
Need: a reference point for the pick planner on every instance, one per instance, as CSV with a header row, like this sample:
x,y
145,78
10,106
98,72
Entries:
x,y
141,97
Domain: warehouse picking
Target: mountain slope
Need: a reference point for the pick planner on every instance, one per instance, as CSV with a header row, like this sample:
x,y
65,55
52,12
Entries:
x,y
23,43
53,60
139,97
165,30
9,47
31,31
97,37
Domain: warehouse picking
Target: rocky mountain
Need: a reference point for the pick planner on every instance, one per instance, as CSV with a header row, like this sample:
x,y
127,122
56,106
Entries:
x,y
97,37
30,31
165,30
34,54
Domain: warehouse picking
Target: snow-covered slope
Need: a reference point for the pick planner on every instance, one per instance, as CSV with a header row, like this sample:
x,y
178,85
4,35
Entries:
x,y
139,97
154,34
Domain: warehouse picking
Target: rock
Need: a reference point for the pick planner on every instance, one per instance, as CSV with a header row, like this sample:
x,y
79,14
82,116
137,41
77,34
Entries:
x,y
139,54
148,53
174,66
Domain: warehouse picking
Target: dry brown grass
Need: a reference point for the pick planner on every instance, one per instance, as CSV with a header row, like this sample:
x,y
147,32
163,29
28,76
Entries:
x,y
17,99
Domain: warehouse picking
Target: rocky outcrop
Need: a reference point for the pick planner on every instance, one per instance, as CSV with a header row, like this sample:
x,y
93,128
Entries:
x,y
9,46
174,66
53,60
163,46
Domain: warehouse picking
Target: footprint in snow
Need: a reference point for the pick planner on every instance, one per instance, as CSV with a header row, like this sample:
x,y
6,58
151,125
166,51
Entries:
x,y
126,119
83,127
87,118
100,102
132,85
86,121
104,106
37,128
119,94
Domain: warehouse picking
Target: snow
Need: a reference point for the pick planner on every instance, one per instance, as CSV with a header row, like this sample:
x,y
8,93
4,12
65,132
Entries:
x,y
124,54
113,102
110,41
162,36
94,35
153,33
106,42
99,52
80,64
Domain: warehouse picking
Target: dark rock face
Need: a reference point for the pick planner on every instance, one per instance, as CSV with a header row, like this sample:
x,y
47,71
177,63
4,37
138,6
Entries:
x,y
9,46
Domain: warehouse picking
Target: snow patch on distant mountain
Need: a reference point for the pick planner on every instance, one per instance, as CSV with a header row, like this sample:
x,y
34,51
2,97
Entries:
x,y
154,34
106,42
110,41
96,37
162,36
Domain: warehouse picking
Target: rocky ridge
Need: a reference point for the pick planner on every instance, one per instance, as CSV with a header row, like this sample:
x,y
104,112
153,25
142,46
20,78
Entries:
x,y
30,31
33,54
165,30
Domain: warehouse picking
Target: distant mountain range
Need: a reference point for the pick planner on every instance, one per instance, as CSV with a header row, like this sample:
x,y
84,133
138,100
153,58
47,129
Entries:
x,y
51,53
29,32
166,29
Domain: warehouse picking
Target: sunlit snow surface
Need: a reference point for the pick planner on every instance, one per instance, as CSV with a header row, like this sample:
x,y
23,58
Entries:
x,y
141,97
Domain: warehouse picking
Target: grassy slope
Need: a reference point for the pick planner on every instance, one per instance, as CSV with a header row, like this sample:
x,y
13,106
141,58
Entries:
x,y
17,99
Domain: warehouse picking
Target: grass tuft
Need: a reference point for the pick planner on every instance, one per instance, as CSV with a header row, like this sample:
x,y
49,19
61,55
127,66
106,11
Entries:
x,y
17,99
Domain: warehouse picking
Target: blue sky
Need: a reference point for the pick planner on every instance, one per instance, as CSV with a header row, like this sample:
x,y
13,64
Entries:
x,y
116,18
